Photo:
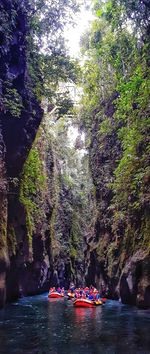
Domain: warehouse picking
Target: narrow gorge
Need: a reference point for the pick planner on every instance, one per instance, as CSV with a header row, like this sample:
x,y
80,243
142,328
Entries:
x,y
74,176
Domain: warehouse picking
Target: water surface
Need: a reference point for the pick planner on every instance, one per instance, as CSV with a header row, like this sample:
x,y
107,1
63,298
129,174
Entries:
x,y
36,325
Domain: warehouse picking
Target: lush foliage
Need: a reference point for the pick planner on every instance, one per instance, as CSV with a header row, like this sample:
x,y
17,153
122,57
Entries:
x,y
48,60
32,42
33,184
77,202
116,75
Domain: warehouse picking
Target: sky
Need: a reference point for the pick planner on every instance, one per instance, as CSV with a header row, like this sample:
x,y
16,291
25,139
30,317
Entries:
x,y
73,34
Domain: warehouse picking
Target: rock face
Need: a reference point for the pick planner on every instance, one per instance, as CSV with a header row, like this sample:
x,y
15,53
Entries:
x,y
36,206
39,245
20,116
28,232
135,280
118,255
67,246
4,261
40,226
44,223
20,112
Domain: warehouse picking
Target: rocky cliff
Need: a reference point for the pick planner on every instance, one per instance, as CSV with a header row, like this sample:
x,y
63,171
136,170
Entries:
x,y
115,113
51,231
48,203
40,225
20,116
38,218
118,260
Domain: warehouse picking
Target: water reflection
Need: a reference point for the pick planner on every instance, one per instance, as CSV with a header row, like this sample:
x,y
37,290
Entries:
x,y
37,325
81,314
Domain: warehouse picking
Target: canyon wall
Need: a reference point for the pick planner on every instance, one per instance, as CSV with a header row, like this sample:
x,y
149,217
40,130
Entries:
x,y
51,230
118,260
20,116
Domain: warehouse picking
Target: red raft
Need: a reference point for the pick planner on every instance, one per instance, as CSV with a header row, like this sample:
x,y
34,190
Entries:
x,y
84,303
55,295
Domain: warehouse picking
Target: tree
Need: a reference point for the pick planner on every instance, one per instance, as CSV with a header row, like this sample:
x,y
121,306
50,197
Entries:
x,y
115,104
48,59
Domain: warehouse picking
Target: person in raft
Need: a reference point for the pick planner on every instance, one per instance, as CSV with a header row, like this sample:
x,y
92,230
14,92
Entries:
x,y
52,289
81,293
97,296
72,288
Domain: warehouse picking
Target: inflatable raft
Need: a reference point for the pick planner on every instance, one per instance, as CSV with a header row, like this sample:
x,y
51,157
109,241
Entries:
x,y
87,303
98,302
84,303
55,295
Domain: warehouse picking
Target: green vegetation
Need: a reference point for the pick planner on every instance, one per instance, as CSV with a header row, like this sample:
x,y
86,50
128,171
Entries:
x,y
75,235
105,127
3,237
114,114
47,57
12,101
12,242
115,108
33,184
46,62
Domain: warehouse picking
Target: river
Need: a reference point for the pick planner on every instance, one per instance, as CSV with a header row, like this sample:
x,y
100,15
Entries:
x,y
36,325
